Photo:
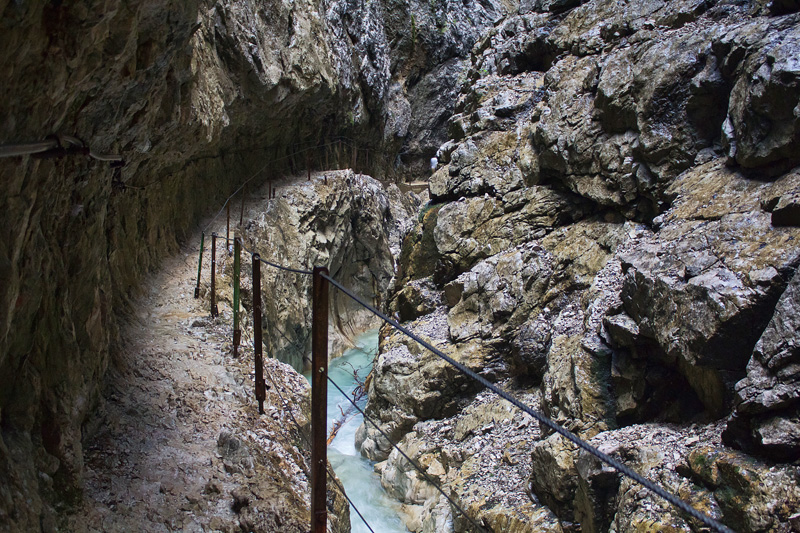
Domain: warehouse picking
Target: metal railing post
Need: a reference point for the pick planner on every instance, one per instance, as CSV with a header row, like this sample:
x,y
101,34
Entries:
x,y
214,310
237,333
200,265
261,389
319,402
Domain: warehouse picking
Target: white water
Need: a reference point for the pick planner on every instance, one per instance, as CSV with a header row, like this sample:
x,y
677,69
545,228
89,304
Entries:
x,y
362,484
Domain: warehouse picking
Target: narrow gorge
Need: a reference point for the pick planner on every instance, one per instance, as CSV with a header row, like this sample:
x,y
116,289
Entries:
x,y
594,205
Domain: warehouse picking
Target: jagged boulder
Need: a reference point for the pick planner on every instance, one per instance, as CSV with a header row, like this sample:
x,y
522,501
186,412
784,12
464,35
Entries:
x,y
348,222
751,495
409,384
703,287
762,128
429,46
766,417
480,458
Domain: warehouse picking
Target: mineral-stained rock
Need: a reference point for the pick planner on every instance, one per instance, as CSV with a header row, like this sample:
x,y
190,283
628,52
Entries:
x,y
429,45
605,500
358,237
409,383
417,298
787,211
766,418
554,477
703,287
590,240
752,496
762,126
480,458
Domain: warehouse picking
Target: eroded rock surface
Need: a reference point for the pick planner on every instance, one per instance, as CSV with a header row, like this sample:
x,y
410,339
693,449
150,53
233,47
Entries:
x,y
197,97
347,222
613,224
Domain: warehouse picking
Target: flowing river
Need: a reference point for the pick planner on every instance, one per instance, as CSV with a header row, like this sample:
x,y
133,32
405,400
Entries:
x,y
362,484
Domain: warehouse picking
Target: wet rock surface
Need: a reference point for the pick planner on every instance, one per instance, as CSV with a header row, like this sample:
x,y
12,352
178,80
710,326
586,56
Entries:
x,y
612,235
765,416
196,97
480,457
611,228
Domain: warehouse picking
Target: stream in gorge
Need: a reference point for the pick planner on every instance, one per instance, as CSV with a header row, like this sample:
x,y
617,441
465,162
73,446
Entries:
x,y
362,484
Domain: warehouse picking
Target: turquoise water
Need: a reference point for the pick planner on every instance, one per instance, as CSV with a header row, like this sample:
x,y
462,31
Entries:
x,y
362,484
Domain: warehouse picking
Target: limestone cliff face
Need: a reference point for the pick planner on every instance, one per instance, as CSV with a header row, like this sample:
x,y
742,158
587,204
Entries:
x,y
347,222
611,234
613,229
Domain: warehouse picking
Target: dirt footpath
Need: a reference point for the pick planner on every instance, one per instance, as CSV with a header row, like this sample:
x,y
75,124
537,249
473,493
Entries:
x,y
178,443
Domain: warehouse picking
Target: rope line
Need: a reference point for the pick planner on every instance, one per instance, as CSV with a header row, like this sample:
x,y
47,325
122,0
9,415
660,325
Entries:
x,y
411,461
616,465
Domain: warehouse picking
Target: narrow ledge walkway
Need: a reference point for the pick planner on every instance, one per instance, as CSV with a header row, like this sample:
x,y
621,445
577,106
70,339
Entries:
x,y
178,443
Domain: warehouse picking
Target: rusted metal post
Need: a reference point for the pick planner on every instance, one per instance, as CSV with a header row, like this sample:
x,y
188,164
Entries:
x,y
228,229
200,264
319,401
261,389
237,333
269,190
214,310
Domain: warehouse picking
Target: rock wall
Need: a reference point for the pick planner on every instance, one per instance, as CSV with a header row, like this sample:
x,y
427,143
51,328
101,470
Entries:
x,y
348,222
613,227
611,234
197,97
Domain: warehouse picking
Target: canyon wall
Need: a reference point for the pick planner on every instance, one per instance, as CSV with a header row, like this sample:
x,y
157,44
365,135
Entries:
x,y
196,97
612,236
612,233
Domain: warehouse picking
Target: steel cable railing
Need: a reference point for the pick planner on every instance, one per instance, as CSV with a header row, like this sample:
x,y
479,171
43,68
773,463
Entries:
x,y
407,458
605,458
54,146
347,141
305,438
616,465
